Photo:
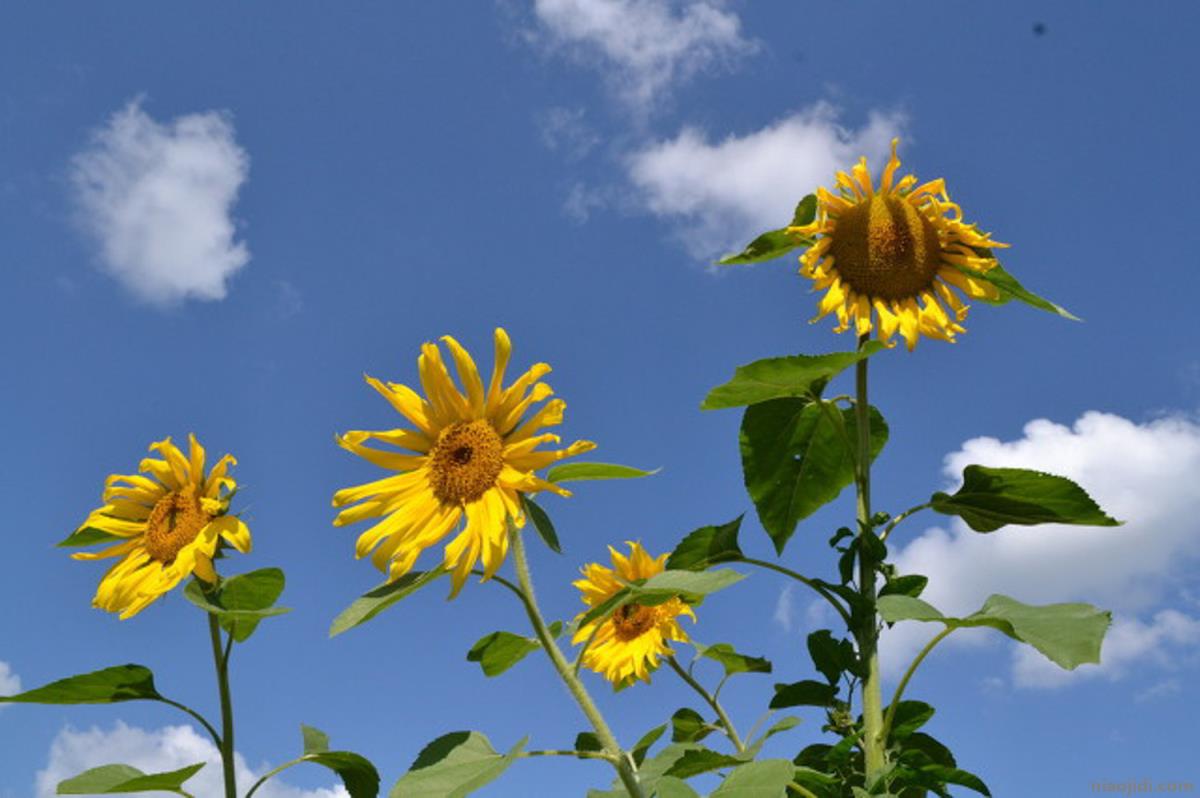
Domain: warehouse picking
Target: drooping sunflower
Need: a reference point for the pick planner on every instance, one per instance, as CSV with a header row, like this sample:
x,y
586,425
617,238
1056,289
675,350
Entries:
x,y
888,257
173,521
474,453
627,645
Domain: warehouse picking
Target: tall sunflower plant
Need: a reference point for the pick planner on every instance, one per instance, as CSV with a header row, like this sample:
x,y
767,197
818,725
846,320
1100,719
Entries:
x,y
169,525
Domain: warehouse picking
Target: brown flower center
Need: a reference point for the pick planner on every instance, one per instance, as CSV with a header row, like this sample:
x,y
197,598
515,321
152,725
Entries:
x,y
632,621
884,247
466,460
174,522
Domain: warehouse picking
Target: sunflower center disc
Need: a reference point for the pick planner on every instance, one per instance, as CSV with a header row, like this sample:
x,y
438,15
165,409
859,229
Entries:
x,y
632,621
466,460
174,522
885,248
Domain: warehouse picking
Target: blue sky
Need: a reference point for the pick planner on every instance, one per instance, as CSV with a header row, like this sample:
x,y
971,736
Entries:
x,y
338,186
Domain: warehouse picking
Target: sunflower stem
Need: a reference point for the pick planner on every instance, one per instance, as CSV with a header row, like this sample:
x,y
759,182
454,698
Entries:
x,y
867,633
712,701
624,764
221,661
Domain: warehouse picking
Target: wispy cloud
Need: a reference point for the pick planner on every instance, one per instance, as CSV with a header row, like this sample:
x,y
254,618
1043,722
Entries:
x,y
1134,471
10,683
158,197
720,194
644,47
784,609
158,750
565,130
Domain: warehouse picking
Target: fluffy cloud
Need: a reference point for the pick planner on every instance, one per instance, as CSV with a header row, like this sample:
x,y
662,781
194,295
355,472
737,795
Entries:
x,y
722,194
10,683
168,748
157,198
644,46
1141,473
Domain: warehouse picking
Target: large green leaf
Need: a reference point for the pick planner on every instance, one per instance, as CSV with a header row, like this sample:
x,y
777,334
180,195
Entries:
x,y
776,243
805,693
671,787
241,601
783,378
701,760
707,546
88,536
1010,288
994,497
766,778
453,766
691,586
106,686
1068,634
542,523
831,657
650,774
499,651
731,660
379,598
575,472
796,457
359,776
110,779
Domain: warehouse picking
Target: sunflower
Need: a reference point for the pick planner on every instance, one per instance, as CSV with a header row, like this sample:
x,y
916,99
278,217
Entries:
x,y
475,453
172,521
881,250
626,646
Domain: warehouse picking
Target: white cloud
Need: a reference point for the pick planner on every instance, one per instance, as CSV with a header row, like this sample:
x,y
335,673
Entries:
x,y
1141,473
157,198
644,47
565,130
10,683
722,194
784,609
165,749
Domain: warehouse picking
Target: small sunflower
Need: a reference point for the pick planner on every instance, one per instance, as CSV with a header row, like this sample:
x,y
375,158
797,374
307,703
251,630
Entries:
x,y
627,645
881,250
173,521
475,453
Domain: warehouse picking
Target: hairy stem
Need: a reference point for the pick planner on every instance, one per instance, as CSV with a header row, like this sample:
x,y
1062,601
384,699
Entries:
x,y
804,580
221,661
712,701
908,674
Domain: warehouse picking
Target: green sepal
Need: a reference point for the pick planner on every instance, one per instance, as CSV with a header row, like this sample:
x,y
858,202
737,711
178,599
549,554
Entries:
x,y
110,779
105,686
1069,635
241,601
784,377
576,472
706,547
379,598
991,498
453,766
88,536
776,243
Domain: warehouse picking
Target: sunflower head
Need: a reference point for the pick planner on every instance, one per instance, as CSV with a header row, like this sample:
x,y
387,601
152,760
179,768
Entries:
x,y
172,519
889,258
460,466
626,646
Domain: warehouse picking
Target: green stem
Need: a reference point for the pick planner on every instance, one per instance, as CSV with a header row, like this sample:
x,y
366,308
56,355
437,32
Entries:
x,y
804,580
271,773
221,660
896,521
908,674
626,769
711,700
607,757
874,751
804,791
216,738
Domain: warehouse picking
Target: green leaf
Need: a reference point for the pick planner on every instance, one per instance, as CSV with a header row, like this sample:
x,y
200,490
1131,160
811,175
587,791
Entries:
x,y
691,586
766,778
706,547
541,522
241,601
359,776
910,585
1010,288
315,740
108,779
575,472
88,536
776,243
588,741
910,716
783,377
671,787
786,723
732,661
106,686
994,497
831,657
806,693
642,746
379,598
454,765
701,760
1068,634
795,459
499,651
689,726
